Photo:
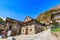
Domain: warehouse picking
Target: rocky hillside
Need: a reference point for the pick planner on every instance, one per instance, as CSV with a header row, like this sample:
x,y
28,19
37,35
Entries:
x,y
46,16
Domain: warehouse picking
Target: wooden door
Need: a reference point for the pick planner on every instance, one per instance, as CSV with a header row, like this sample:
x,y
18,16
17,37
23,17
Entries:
x,y
26,31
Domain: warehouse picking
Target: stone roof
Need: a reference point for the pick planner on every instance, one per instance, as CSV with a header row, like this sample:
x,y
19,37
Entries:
x,y
14,20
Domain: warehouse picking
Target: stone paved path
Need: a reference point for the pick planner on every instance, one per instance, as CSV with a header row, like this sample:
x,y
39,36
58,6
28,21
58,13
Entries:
x,y
45,35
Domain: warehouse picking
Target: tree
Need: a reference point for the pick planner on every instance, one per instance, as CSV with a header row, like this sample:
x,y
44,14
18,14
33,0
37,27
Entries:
x,y
1,21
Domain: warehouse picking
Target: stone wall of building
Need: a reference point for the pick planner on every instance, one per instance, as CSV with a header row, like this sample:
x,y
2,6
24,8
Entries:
x,y
30,29
38,27
1,26
57,16
13,25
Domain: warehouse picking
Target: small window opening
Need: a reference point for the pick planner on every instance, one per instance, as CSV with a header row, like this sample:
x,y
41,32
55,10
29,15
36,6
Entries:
x,y
30,29
23,30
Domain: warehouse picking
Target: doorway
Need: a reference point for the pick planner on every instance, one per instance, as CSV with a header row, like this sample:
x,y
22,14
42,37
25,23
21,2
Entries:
x,y
10,27
26,31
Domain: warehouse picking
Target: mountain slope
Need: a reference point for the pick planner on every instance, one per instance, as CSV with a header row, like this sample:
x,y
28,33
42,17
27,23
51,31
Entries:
x,y
46,16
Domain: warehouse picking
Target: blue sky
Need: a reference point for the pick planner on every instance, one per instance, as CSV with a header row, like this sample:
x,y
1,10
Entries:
x,y
19,9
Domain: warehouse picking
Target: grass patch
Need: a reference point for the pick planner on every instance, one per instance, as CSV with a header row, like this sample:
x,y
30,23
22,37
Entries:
x,y
55,30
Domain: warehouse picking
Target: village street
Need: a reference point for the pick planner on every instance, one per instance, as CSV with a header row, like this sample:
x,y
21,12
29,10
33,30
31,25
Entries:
x,y
45,35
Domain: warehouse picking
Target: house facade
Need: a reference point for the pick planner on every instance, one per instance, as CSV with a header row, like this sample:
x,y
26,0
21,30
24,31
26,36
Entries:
x,y
56,16
12,24
31,26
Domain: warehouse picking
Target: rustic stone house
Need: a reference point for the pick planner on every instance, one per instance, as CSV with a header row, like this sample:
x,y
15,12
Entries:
x,y
27,27
56,16
31,26
13,25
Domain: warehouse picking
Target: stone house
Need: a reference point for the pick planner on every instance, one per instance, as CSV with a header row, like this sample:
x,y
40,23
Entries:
x,y
13,25
31,26
56,16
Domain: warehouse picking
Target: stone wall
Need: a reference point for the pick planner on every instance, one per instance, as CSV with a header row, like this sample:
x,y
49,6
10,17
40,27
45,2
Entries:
x,y
1,26
31,29
38,28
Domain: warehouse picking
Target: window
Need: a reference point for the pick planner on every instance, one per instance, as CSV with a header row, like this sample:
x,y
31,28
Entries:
x,y
23,30
30,29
